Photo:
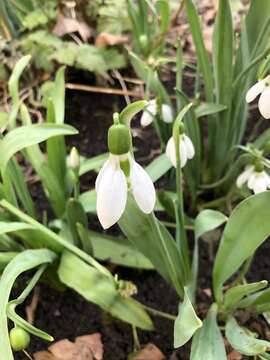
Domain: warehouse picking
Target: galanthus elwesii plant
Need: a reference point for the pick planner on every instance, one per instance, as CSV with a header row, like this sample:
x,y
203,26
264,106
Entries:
x,y
177,260
120,174
151,111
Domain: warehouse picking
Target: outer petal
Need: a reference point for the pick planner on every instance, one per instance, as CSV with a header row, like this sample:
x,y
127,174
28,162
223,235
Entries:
x,y
167,114
257,182
189,147
170,151
244,176
149,113
111,195
142,188
101,171
264,103
255,90
183,152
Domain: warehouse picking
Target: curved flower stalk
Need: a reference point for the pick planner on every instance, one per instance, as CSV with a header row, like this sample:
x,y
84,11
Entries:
x,y
261,88
151,111
119,174
186,150
257,180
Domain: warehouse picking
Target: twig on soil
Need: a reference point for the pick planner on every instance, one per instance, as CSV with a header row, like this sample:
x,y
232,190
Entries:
x,y
27,355
31,309
123,85
104,90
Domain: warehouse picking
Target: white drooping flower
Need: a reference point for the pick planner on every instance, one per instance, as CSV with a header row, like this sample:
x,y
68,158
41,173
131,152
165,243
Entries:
x,y
112,189
261,88
186,150
151,111
257,181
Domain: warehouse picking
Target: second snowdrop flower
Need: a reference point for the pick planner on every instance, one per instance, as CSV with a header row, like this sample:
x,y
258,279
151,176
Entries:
x,y
119,174
261,88
257,180
186,150
151,111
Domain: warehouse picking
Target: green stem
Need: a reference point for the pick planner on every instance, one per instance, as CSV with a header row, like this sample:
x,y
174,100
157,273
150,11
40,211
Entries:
x,y
250,66
159,313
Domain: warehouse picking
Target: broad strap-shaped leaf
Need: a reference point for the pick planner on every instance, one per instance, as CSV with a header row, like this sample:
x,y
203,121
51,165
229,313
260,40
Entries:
x,y
246,229
207,343
153,240
24,136
242,342
26,260
206,109
186,323
235,294
259,302
101,290
208,220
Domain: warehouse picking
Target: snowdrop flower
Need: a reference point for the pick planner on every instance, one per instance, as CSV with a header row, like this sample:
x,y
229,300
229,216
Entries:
x,y
261,88
151,111
257,181
119,174
186,150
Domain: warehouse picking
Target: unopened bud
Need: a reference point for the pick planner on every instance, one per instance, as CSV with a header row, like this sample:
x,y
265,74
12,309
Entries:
x,y
74,159
19,339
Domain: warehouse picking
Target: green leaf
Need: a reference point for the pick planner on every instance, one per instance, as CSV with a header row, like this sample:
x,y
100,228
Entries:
x,y
208,220
25,136
242,342
118,250
203,58
90,58
5,258
93,164
208,343
26,260
246,229
76,215
101,290
158,167
163,8
235,294
208,109
258,302
153,240
186,323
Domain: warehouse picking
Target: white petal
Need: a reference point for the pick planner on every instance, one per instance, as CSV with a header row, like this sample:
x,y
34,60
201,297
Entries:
x,y
244,176
257,182
149,112
142,188
183,153
111,195
264,103
167,114
255,90
170,151
101,171
189,147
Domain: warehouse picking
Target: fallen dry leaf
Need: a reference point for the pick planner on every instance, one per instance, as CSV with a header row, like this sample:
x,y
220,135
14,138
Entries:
x,y
93,341
88,347
234,355
66,25
149,352
106,39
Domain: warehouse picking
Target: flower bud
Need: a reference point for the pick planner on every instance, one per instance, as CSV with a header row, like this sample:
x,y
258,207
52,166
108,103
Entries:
x,y
19,339
74,159
119,139
144,42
